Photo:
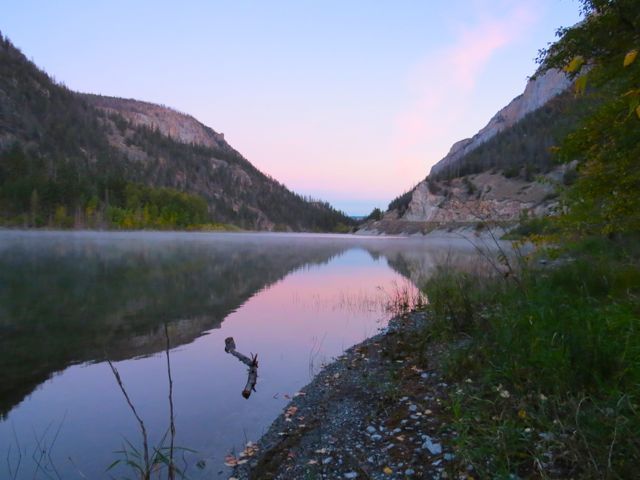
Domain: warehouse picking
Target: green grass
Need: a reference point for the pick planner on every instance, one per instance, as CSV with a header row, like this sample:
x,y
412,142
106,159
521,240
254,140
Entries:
x,y
549,377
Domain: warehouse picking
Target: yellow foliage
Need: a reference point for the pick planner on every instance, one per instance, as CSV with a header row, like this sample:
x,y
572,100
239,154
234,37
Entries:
x,y
574,64
630,57
581,85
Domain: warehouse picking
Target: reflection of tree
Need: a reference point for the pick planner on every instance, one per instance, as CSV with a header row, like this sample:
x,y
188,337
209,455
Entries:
x,y
65,303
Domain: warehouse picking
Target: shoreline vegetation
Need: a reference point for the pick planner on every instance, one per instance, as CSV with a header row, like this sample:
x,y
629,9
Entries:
x,y
130,206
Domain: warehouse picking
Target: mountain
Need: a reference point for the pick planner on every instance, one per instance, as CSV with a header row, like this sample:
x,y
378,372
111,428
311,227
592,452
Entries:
x,y
81,160
538,92
504,171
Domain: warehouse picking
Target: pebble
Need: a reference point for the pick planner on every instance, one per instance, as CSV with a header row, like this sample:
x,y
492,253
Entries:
x,y
371,429
413,408
327,460
433,447
409,471
376,437
351,475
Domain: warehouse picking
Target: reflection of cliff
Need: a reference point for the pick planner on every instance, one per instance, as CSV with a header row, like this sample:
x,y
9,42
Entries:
x,y
64,302
420,261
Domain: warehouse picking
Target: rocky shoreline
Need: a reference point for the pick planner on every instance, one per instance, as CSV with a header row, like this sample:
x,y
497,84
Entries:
x,y
377,412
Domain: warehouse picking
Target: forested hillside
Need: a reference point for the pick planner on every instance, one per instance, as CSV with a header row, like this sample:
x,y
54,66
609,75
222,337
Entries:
x,y
66,161
527,147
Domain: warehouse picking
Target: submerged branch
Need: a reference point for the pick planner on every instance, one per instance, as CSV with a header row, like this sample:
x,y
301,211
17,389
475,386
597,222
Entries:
x,y
252,363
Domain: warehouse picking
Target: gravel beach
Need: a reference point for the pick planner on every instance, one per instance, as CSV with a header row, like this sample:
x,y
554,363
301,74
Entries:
x,y
376,412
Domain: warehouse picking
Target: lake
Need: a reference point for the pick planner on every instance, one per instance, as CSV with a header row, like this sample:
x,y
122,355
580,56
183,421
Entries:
x,y
71,300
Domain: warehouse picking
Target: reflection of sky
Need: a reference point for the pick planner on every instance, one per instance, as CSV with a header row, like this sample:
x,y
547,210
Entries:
x,y
350,101
293,325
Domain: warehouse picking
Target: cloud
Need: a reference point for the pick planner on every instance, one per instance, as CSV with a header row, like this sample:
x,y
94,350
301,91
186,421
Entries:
x,y
442,85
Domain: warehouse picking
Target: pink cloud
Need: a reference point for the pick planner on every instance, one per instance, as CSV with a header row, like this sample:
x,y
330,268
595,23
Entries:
x,y
442,85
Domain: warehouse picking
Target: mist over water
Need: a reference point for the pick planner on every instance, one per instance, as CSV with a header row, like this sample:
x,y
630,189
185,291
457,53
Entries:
x,y
70,300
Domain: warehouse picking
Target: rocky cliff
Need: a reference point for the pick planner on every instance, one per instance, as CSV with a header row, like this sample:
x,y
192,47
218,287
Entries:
x,y
169,122
536,94
504,170
470,201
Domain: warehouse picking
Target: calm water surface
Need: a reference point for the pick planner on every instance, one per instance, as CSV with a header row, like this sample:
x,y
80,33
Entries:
x,y
69,301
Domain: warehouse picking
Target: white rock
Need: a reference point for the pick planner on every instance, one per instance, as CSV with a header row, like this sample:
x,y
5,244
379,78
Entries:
x,y
433,447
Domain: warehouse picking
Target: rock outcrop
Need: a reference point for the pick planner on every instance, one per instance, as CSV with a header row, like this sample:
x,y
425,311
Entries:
x,y
470,201
480,197
537,92
171,123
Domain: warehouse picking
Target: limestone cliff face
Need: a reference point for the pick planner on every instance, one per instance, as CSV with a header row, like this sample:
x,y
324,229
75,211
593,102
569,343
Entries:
x,y
171,123
466,201
536,94
486,196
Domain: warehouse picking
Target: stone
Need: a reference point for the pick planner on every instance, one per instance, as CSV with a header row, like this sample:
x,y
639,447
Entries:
x,y
434,448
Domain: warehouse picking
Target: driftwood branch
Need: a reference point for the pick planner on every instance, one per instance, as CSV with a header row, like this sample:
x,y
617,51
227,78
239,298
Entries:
x,y
252,363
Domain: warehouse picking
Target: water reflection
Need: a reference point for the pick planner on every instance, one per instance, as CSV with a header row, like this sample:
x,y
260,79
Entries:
x,y
71,298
